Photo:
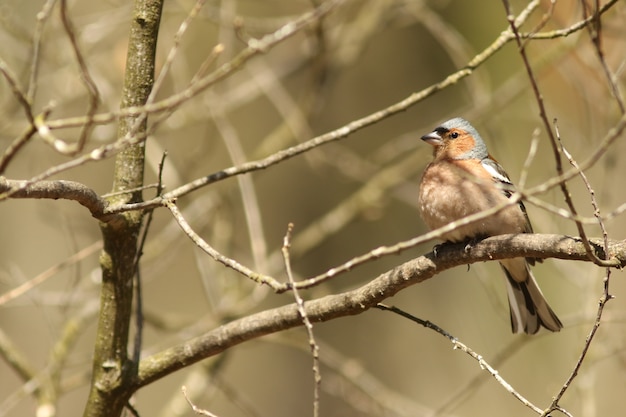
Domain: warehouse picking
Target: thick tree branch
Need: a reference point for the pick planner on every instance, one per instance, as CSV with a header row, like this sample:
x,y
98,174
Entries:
x,y
367,296
113,370
60,189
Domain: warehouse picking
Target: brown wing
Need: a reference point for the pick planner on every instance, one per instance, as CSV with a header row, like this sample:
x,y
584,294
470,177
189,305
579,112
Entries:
x,y
500,176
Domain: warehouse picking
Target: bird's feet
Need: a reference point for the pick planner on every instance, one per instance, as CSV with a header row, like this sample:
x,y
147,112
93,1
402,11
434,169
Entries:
x,y
471,242
439,246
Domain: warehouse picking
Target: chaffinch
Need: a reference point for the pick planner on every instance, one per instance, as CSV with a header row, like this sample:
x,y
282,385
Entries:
x,y
464,179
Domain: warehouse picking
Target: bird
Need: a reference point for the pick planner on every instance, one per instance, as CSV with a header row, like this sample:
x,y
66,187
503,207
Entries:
x,y
464,179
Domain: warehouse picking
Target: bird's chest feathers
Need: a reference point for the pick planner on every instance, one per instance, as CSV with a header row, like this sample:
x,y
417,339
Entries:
x,y
448,192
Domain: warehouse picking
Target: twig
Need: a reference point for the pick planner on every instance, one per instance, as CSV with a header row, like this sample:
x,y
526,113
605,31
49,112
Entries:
x,y
363,298
596,325
344,131
544,117
255,47
561,33
42,19
317,377
193,13
17,90
139,314
534,144
595,32
195,408
52,271
464,348
90,85
605,294
247,190
583,176
236,63
15,146
231,263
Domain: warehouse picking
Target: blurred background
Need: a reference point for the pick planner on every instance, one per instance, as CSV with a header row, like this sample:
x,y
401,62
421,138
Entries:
x,y
344,199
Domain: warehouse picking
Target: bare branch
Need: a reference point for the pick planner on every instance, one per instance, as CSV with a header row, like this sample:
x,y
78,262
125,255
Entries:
x,y
68,190
306,322
367,296
484,365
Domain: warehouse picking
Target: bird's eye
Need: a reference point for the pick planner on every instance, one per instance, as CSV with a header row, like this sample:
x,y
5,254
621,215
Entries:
x,y
454,135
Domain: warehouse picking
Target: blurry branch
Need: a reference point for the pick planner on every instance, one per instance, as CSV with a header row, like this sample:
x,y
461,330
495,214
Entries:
x,y
42,19
344,131
255,47
455,44
15,146
544,117
351,381
194,407
562,33
367,296
595,31
45,385
345,211
15,358
90,85
246,187
553,140
174,50
30,284
259,46
17,90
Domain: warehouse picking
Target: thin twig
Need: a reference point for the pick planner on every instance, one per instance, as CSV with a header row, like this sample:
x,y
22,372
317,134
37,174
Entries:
x,y
484,365
357,301
590,190
195,408
50,272
255,47
17,90
532,151
562,33
15,146
544,117
139,314
317,377
231,263
42,19
596,325
247,190
236,63
193,13
90,85
594,28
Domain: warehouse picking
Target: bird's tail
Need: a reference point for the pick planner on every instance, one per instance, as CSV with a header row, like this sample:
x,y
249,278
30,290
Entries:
x,y
529,308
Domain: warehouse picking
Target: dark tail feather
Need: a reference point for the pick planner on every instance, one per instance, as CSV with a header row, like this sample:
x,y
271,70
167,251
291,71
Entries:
x,y
529,308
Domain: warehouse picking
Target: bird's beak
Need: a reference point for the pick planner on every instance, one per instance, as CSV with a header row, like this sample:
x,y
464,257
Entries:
x,y
433,138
